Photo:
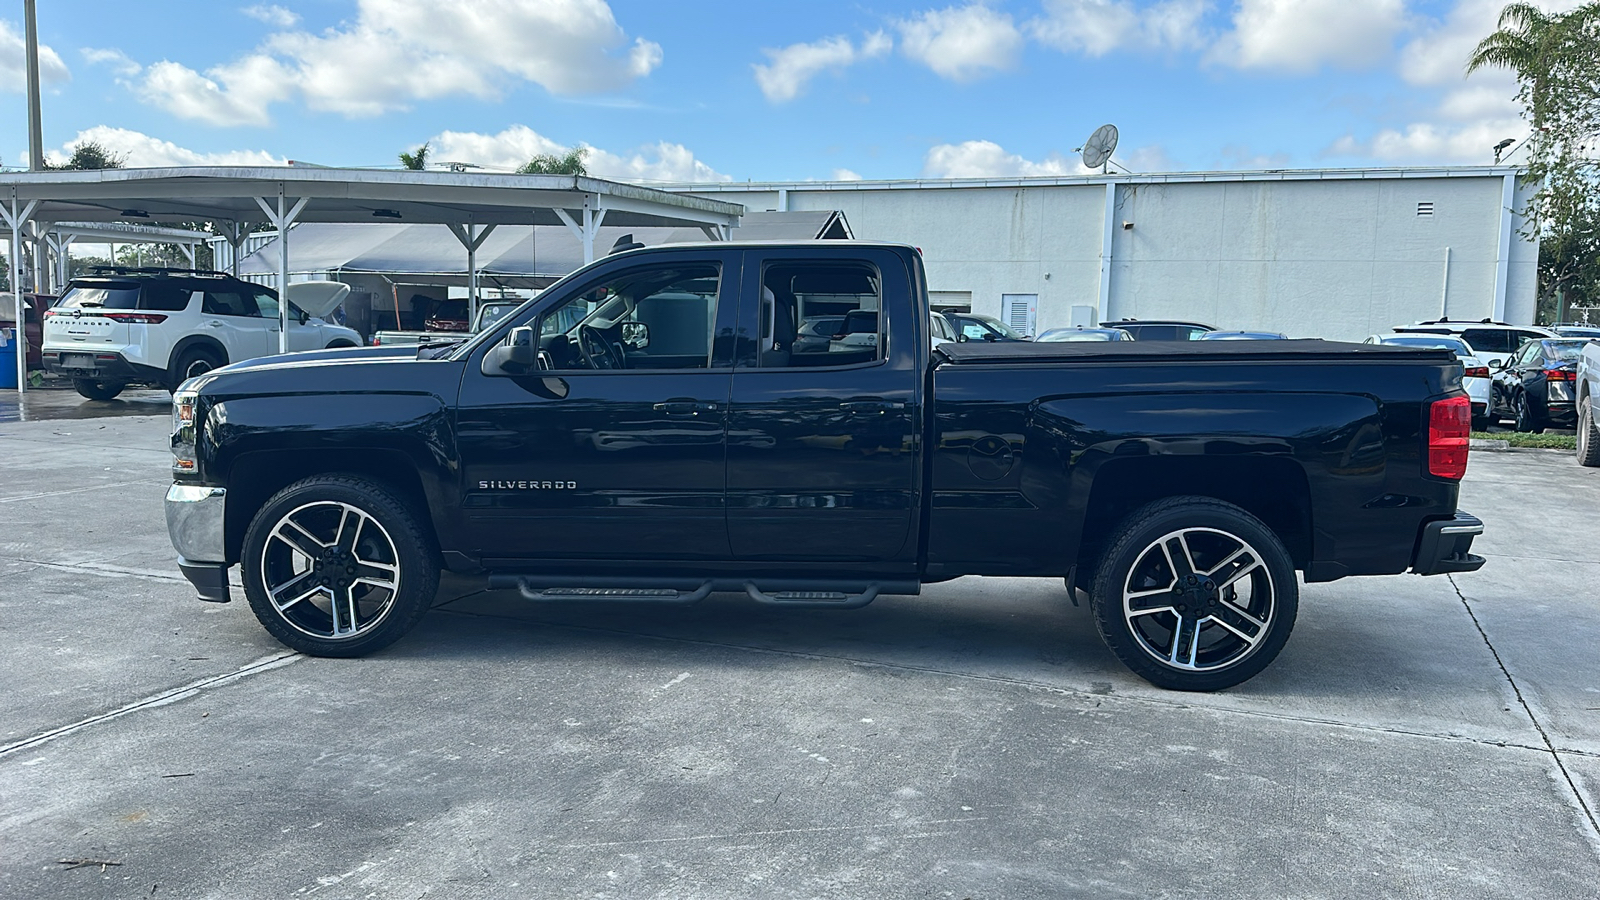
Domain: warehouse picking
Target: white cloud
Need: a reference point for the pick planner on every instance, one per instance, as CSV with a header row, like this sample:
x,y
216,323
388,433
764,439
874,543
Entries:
x,y
791,67
1305,35
961,43
1145,160
140,150
14,65
1427,142
845,175
272,14
400,51
1097,27
505,151
986,159
1439,54
117,61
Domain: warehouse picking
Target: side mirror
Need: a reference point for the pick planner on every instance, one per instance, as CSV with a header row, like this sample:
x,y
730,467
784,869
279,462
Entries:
x,y
990,336
1497,364
635,335
515,355
304,317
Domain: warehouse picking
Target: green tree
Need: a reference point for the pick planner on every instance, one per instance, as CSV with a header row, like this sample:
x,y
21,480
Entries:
x,y
90,155
1555,58
416,161
569,163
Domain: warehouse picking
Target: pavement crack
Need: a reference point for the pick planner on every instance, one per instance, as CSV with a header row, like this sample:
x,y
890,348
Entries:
x,y
162,698
1549,745
104,569
1031,685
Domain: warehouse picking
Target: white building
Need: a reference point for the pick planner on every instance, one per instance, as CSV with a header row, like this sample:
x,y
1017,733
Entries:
x,y
1334,253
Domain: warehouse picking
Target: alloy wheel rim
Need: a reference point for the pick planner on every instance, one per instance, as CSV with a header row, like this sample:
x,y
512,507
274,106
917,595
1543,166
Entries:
x,y
330,570
1199,600
198,367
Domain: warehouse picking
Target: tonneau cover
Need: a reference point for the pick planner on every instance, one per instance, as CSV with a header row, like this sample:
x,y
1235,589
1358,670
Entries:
x,y
986,352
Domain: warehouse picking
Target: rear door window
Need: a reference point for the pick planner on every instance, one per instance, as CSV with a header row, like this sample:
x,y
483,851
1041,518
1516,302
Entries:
x,y
819,314
230,303
1492,340
165,296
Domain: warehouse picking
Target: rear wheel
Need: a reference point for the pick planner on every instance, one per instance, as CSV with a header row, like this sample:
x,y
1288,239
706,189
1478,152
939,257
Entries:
x,y
1195,594
193,362
340,344
1588,435
96,389
337,565
1523,410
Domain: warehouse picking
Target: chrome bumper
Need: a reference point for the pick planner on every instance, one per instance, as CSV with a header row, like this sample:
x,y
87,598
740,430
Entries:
x,y
195,520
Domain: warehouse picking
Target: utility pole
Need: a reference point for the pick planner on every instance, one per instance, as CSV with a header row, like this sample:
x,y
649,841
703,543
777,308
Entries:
x,y
35,127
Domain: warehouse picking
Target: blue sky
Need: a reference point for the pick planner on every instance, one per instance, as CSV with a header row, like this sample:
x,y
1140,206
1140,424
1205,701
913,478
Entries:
x,y
767,90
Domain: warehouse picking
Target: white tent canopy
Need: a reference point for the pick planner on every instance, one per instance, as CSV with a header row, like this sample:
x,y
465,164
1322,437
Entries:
x,y
513,255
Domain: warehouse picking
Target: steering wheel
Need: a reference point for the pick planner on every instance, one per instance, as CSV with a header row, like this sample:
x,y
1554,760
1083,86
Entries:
x,y
597,351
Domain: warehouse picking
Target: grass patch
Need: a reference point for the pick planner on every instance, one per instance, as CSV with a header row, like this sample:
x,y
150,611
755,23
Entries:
x,y
1536,441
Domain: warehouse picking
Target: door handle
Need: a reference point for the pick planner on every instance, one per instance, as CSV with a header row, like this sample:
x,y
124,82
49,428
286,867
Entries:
x,y
877,406
685,407
213,324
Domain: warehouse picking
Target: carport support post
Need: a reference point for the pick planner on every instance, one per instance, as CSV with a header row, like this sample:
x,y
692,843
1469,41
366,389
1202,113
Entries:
x,y
586,231
16,217
282,220
472,239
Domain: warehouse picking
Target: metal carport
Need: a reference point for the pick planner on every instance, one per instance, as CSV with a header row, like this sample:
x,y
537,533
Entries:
x,y
237,199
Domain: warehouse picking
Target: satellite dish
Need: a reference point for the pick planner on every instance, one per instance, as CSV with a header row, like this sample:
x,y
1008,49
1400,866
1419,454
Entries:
x,y
1097,149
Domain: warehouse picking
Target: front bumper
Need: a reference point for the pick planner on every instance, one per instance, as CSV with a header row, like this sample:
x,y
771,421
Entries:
x,y
195,517
1444,546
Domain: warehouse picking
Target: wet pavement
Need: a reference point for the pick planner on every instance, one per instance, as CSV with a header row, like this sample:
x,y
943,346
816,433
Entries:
x,y
56,399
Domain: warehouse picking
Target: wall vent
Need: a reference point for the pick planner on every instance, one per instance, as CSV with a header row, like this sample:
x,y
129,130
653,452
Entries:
x,y
1425,208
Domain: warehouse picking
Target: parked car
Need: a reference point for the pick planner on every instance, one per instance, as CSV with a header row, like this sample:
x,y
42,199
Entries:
x,y
1475,375
1588,332
1082,333
973,327
1160,329
1535,387
1585,391
34,308
492,311
1182,487
1489,340
1242,336
159,327
449,316
939,329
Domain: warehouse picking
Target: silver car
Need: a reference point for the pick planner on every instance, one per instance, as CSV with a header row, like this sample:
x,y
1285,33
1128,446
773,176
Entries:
x,y
1475,372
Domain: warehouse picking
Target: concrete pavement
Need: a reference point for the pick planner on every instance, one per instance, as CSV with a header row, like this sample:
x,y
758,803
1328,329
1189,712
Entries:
x,y
1418,737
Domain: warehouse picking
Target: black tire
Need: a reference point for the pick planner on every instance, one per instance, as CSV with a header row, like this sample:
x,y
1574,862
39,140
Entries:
x,y
1588,434
340,344
95,389
278,560
1481,423
1526,420
195,361
1141,601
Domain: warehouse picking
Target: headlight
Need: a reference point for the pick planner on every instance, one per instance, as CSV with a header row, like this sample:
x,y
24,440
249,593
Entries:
x,y
183,431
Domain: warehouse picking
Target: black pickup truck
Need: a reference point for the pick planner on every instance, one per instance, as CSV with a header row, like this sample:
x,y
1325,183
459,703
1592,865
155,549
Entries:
x,y
662,424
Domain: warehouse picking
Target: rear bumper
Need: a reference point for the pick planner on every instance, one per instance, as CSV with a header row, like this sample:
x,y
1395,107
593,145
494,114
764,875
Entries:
x,y
1444,546
103,366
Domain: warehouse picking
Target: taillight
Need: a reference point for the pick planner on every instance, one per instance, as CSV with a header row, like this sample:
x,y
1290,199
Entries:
x,y
1477,372
1449,430
135,318
51,312
1560,375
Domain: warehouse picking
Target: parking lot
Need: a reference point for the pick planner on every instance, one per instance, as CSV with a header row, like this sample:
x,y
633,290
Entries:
x,y
1419,737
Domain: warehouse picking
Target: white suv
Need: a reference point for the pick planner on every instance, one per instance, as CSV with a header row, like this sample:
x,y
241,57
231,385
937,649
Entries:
x,y
159,327
1490,340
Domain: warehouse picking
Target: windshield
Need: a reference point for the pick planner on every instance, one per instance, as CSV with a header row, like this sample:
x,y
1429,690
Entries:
x,y
1457,347
1075,334
995,325
107,297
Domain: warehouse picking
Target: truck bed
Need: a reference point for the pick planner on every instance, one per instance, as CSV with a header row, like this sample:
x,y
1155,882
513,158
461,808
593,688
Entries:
x,y
977,353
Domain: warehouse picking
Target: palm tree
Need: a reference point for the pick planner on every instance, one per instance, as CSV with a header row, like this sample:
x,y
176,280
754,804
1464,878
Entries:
x,y
1531,44
569,163
416,161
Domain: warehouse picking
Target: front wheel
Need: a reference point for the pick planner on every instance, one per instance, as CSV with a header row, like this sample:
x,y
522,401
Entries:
x,y
1195,594
1588,435
95,389
337,565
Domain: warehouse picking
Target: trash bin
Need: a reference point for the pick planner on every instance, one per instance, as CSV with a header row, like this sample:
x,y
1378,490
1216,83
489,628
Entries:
x,y
8,359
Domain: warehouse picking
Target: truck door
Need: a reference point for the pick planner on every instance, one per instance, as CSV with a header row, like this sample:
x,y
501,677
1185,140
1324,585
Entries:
x,y
822,433
616,448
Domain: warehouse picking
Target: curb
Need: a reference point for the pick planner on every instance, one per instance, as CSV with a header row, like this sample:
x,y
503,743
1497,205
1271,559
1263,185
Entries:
x,y
1481,444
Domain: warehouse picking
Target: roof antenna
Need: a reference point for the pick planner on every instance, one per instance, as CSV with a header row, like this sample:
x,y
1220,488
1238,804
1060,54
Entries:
x,y
1097,149
624,243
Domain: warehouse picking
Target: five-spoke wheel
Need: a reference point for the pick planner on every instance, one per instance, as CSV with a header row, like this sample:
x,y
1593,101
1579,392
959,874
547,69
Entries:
x,y
1195,594
338,566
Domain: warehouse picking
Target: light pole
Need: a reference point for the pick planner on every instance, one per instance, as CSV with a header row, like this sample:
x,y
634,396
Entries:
x,y
35,126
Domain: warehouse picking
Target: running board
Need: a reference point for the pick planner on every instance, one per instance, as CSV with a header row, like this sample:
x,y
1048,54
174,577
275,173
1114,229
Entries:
x,y
787,592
